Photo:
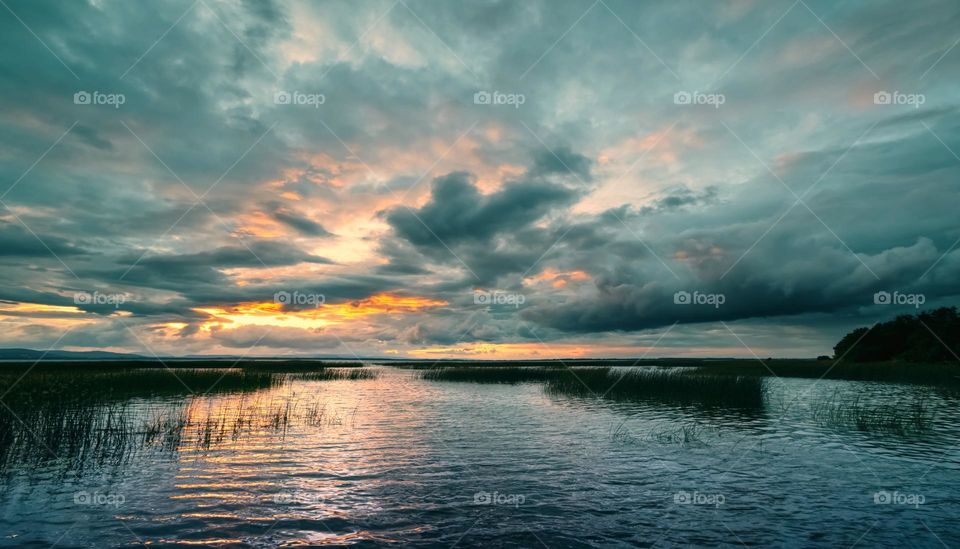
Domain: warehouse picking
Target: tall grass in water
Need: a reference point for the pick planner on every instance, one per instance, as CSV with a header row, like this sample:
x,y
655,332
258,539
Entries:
x,y
332,374
677,387
55,385
43,385
493,374
672,386
685,434
84,414
199,427
261,364
903,417
939,374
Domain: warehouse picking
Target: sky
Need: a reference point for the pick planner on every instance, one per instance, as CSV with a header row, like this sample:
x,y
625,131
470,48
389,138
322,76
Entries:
x,y
485,179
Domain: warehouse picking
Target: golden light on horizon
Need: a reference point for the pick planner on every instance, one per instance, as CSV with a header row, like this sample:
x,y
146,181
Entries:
x,y
268,313
34,308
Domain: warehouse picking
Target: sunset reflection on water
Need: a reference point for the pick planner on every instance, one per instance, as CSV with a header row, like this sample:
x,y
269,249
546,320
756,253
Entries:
x,y
405,460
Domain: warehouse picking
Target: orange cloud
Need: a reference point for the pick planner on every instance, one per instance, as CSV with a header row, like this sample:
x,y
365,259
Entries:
x,y
36,308
521,351
274,314
557,279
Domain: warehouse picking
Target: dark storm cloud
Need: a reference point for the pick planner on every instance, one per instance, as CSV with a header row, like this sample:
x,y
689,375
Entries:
x,y
457,212
300,222
880,232
681,197
276,338
561,161
489,235
169,271
20,242
197,278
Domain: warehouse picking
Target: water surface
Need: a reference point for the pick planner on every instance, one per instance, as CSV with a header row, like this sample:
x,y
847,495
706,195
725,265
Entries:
x,y
402,460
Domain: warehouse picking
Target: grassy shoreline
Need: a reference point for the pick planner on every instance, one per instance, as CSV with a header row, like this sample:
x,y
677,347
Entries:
x,y
891,372
895,372
285,365
946,374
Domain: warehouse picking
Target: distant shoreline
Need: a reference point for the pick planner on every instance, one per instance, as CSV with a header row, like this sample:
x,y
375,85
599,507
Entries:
x,y
939,373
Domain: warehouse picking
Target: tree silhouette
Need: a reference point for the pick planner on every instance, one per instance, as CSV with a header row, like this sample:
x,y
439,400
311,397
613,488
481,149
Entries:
x,y
932,336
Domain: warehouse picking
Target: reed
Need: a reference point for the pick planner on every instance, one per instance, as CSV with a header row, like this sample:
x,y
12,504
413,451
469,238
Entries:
x,y
500,374
669,386
906,416
672,386
940,374
88,414
332,374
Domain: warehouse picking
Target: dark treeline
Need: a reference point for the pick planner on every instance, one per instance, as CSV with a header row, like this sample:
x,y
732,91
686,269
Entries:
x,y
932,336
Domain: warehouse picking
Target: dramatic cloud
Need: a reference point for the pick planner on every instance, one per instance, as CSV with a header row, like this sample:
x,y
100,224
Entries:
x,y
494,179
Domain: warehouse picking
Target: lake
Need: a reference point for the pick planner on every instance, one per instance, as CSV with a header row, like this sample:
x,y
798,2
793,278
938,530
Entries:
x,y
402,460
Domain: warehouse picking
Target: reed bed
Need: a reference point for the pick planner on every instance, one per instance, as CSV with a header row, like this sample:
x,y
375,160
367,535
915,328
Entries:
x,y
673,386
42,385
86,384
945,374
499,374
87,414
113,433
905,416
333,374
199,428
669,386
939,374
263,364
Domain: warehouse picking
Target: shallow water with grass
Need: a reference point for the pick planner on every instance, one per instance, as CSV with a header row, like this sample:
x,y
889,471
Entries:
x,y
647,457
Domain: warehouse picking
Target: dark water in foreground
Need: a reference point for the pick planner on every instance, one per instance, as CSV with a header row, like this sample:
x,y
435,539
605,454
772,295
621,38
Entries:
x,y
405,461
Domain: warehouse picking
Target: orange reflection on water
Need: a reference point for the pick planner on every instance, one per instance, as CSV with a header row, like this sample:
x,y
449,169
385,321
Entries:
x,y
303,451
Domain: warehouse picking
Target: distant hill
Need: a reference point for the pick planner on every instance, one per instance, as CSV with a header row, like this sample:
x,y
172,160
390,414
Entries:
x,y
31,354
